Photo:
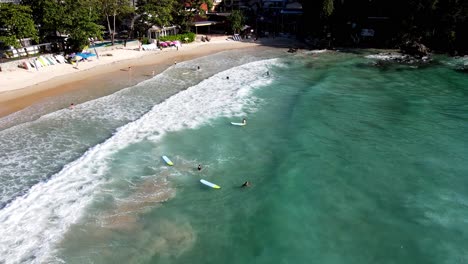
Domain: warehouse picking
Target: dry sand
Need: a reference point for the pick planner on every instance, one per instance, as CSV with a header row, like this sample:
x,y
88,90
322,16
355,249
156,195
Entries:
x,y
20,88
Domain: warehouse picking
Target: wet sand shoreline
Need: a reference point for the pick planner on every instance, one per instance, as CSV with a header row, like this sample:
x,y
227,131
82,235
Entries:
x,y
113,74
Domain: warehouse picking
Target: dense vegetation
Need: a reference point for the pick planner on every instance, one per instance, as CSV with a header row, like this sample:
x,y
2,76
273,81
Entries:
x,y
442,25
439,24
78,20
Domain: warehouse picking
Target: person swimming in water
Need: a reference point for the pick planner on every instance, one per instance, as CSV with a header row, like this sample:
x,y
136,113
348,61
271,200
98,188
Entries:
x,y
199,167
244,121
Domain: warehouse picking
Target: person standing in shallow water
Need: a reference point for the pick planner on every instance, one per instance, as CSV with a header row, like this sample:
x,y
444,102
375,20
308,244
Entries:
x,y
199,167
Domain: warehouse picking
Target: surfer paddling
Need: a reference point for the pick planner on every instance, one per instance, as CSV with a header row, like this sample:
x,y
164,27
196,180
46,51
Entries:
x,y
244,121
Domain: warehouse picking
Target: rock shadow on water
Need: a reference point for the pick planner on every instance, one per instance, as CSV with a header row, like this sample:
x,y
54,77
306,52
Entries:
x,y
462,69
123,234
149,194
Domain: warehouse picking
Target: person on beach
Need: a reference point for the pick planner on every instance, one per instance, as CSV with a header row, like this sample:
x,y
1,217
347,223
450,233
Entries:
x,y
199,167
246,184
72,105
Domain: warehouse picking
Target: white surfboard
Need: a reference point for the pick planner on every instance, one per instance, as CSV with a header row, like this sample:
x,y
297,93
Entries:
x,y
238,124
212,185
167,160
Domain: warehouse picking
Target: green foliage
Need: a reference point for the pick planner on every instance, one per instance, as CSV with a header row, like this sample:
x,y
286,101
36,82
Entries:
x,y
75,18
52,15
145,40
327,7
156,12
9,41
183,17
184,38
18,22
114,8
237,20
441,25
438,24
185,11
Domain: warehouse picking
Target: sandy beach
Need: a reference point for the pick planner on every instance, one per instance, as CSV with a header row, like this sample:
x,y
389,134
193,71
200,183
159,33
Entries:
x,y
20,88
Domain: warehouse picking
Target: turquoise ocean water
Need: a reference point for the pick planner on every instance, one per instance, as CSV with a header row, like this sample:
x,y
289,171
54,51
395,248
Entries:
x,y
350,162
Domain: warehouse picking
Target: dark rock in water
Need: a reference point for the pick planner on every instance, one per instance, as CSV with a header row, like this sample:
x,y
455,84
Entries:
x,y
415,49
292,50
463,69
384,58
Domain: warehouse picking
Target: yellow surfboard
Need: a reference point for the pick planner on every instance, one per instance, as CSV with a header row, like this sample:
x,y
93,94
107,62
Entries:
x,y
167,160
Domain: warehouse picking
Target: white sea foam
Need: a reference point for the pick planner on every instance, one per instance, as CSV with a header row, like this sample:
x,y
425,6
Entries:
x,y
316,51
32,224
386,56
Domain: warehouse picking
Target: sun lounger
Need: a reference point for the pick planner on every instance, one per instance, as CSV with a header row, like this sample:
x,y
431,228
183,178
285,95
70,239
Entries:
x,y
151,46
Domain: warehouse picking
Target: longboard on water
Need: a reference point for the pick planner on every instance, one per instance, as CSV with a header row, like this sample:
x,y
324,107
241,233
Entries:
x,y
238,124
210,184
167,160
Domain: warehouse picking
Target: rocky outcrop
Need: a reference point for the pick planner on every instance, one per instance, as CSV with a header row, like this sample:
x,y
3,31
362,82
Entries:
x,y
414,49
399,58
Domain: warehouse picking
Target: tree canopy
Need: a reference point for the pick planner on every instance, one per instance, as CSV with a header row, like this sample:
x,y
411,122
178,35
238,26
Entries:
x,y
18,24
441,25
76,19
111,9
237,20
